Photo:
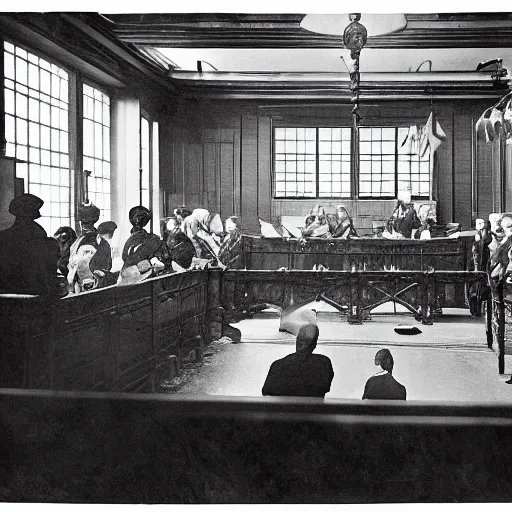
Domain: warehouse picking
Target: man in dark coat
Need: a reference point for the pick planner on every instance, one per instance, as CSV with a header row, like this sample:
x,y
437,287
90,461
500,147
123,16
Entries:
x,y
383,386
28,257
302,373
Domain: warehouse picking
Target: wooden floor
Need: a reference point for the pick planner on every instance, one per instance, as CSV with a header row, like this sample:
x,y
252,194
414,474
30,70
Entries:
x,y
447,361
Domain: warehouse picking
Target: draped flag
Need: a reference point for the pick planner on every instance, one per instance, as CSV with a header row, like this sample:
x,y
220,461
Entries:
x,y
432,137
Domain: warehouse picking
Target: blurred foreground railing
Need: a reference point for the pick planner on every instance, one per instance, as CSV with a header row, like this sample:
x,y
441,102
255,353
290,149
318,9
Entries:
x,y
126,448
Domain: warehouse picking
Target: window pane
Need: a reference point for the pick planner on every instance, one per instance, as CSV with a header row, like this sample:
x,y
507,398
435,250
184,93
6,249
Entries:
x,y
377,162
31,76
96,147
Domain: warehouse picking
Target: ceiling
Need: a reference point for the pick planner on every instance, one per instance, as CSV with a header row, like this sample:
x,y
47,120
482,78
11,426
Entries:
x,y
277,42
329,60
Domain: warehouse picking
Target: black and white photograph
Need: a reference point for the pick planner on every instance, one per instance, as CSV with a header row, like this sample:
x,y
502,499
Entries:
x,y
255,255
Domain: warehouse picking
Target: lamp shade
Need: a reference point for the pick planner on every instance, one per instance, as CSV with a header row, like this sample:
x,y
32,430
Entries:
x,y
335,24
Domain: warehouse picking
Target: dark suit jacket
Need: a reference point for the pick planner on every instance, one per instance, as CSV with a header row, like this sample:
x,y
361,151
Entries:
x,y
299,374
384,387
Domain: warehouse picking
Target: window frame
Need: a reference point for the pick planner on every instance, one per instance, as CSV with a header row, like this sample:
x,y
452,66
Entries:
x,y
353,195
76,81
81,81
317,195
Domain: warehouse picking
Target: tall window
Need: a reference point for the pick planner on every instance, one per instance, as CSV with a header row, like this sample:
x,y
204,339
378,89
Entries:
x,y
145,161
377,157
312,162
37,131
96,149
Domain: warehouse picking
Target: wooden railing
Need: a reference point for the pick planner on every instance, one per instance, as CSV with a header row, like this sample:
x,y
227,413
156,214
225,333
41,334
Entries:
x,y
362,254
120,448
124,338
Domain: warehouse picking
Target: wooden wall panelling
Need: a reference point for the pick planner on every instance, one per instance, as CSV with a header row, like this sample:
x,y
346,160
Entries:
x,y
484,179
497,176
462,164
226,173
210,193
193,173
264,167
249,172
444,158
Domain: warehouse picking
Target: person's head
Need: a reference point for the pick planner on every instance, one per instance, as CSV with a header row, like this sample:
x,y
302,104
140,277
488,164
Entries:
x,y
26,206
65,235
232,224
307,338
506,224
384,358
88,214
106,229
341,212
479,224
493,220
182,212
309,220
139,216
172,225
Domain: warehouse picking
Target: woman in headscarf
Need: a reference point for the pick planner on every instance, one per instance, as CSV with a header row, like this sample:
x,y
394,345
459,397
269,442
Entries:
x,y
230,252
344,227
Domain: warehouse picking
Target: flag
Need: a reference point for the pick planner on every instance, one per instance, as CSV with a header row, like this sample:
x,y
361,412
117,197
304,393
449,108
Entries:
x,y
410,143
432,135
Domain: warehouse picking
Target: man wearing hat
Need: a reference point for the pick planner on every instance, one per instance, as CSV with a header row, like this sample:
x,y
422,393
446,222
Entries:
x,y
28,258
383,386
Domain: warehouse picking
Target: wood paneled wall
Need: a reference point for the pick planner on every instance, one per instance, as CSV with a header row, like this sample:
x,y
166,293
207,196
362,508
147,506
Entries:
x,y
218,155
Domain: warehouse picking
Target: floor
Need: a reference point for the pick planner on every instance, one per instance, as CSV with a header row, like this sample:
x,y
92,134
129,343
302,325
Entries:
x,y
447,361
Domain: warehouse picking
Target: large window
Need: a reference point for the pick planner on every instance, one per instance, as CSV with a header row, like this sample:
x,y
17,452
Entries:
x,y
96,148
37,131
145,161
312,162
315,162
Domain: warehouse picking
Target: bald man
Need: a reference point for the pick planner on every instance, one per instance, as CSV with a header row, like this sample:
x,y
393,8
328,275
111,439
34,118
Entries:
x,y
301,373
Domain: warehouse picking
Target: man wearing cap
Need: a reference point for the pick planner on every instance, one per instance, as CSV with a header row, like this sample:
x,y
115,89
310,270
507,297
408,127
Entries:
x,y
28,257
301,373
383,386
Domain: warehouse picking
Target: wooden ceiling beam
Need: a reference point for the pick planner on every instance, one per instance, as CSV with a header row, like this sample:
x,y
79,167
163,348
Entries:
x,y
458,30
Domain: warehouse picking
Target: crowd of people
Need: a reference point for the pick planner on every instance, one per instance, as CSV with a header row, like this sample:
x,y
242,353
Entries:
x,y
33,263
303,373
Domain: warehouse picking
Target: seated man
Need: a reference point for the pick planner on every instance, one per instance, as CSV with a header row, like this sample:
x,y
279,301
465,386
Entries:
x,y
343,226
316,226
383,386
230,252
302,373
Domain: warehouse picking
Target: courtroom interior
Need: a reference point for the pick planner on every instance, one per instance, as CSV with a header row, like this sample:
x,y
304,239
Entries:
x,y
191,204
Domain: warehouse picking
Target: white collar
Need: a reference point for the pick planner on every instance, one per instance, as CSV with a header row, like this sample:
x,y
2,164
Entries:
x,y
383,372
